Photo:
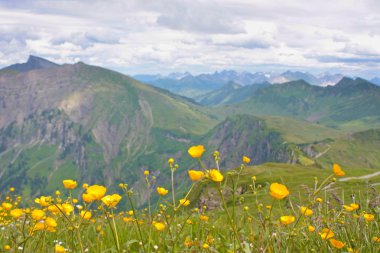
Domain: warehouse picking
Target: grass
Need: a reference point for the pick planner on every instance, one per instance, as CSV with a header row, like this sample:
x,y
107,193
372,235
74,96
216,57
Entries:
x,y
240,215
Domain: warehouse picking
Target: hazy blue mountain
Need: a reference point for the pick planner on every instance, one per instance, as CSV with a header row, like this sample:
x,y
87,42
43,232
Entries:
x,y
196,86
376,80
230,93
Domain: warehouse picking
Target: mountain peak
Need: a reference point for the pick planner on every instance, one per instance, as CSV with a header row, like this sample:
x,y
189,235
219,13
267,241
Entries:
x,y
34,62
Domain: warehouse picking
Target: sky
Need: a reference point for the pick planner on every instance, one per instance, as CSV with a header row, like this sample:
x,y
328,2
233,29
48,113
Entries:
x,y
164,36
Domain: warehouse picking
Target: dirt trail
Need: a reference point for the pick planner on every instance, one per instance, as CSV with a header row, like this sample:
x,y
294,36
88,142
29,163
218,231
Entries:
x,y
361,177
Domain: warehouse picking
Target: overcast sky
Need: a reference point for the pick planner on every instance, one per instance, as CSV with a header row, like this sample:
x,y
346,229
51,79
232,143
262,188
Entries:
x,y
162,36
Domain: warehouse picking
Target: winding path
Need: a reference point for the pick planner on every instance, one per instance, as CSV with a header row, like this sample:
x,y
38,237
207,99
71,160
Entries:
x,y
361,177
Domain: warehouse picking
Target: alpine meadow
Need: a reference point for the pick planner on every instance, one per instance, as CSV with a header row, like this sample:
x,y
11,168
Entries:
x,y
189,126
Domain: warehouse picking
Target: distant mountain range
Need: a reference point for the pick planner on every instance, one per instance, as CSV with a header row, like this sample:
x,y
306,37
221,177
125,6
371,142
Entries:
x,y
195,86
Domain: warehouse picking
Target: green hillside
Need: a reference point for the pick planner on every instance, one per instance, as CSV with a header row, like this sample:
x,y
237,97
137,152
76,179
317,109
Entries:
x,y
350,104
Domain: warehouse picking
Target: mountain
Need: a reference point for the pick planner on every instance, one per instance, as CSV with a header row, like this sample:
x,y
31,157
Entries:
x,y
199,86
88,123
376,80
33,62
230,93
98,126
349,104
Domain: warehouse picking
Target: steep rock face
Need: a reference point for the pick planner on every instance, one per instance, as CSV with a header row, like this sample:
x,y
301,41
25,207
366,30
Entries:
x,y
247,135
50,127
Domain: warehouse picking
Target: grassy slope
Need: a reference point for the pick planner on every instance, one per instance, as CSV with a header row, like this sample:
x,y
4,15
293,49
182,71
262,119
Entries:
x,y
299,179
360,150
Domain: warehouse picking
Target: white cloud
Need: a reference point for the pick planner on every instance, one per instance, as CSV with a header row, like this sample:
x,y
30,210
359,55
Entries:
x,y
144,36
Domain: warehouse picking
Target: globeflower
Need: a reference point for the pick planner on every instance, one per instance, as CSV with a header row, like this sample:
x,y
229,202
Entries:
x,y
69,184
337,244
215,175
7,206
38,214
43,201
246,159
326,234
50,224
338,170
162,191
184,202
96,192
111,200
67,208
278,191
286,220
86,215
195,175
159,226
59,249
306,211
369,217
196,151
16,213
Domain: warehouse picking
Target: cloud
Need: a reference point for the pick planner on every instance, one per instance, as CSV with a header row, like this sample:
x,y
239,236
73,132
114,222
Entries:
x,y
144,36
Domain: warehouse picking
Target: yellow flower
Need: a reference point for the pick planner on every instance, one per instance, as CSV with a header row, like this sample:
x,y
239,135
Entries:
x,y
7,247
286,220
162,191
204,218
196,151
354,206
195,175
111,200
319,200
127,219
96,192
12,189
51,224
146,172
59,249
348,208
253,178
376,239
43,201
170,161
159,226
215,175
16,213
337,244
306,211
369,217
7,206
38,214
54,209
86,215
67,208
184,202
246,159
326,234
338,170
39,226
188,221
205,246
278,191
311,228
69,184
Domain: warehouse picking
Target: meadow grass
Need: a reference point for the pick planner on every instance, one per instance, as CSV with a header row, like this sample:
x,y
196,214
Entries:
x,y
265,208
